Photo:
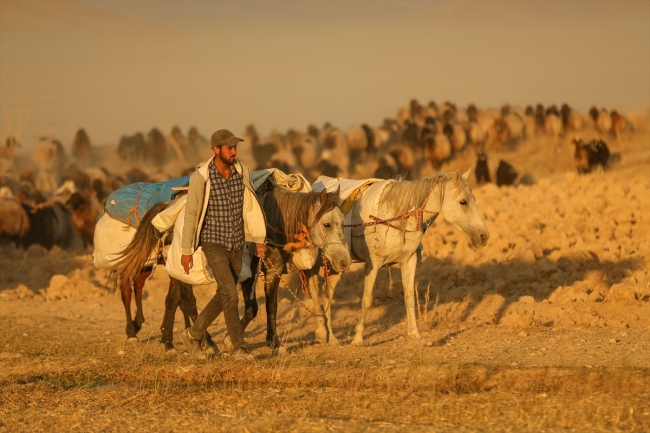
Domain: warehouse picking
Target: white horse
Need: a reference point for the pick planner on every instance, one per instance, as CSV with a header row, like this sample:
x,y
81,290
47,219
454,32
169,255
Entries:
x,y
387,223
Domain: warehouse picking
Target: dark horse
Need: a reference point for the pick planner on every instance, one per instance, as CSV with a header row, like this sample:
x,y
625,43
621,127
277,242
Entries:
x,y
131,273
294,219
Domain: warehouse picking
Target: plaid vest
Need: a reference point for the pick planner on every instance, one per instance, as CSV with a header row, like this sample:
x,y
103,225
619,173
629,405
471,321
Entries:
x,y
224,222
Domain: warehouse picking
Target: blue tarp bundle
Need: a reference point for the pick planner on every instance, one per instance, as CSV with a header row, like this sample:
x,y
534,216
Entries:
x,y
129,204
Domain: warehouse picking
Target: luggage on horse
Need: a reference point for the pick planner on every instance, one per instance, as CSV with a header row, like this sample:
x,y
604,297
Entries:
x,y
124,208
128,204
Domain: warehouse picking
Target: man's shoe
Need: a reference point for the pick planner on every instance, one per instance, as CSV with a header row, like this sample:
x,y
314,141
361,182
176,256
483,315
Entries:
x,y
193,346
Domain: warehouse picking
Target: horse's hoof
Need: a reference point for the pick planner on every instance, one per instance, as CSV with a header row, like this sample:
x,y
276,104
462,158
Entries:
x,y
227,343
321,337
334,341
133,340
357,342
415,337
280,351
169,345
170,352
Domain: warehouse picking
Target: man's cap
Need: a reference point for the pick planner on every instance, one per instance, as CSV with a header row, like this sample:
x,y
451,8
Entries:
x,y
223,137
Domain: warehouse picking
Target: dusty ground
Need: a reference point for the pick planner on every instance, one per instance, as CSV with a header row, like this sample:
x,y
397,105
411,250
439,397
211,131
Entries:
x,y
545,329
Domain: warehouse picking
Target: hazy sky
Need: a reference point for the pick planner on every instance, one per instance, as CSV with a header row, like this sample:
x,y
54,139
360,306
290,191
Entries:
x,y
118,67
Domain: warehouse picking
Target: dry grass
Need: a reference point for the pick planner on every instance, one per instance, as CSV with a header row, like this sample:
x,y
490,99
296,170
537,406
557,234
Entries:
x,y
81,384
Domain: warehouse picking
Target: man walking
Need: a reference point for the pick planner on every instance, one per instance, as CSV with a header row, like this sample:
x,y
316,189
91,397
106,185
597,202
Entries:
x,y
222,212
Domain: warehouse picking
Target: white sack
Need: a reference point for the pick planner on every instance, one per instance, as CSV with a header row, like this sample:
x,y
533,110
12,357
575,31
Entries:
x,y
111,237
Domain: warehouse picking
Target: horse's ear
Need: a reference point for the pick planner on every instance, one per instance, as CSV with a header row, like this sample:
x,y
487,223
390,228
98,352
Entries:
x,y
322,199
456,176
466,174
336,194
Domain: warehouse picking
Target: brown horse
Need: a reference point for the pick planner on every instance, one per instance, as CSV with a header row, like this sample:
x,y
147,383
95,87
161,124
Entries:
x,y
132,269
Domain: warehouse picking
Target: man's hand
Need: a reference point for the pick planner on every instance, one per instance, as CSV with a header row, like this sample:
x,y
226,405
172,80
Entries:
x,y
260,250
187,263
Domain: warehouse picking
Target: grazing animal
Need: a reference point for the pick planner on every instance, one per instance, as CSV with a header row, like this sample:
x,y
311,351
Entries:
x,y
157,146
588,156
306,150
84,217
621,127
361,141
476,134
195,138
506,174
386,168
482,172
8,151
311,217
179,145
497,135
49,157
336,147
410,135
601,120
404,160
262,153
132,148
326,168
571,120
604,122
516,130
14,221
456,135
81,147
402,211
50,225
553,124
437,147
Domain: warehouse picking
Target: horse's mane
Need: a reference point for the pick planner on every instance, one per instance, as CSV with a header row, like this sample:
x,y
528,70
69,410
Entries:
x,y
133,258
287,211
402,196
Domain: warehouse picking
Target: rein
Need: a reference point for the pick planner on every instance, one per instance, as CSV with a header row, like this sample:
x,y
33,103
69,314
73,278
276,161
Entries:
x,y
418,211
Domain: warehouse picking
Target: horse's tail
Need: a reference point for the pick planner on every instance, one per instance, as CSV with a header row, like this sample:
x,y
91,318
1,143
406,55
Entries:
x,y
132,259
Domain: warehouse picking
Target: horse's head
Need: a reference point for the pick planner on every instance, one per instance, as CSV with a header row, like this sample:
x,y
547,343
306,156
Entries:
x,y
326,230
459,209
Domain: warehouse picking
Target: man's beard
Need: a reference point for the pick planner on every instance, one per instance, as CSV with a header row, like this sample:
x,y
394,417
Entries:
x,y
226,161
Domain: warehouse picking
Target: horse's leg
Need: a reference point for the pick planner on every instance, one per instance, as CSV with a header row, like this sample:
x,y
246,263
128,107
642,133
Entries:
x,y
172,301
271,293
327,305
366,302
314,292
126,300
138,287
324,332
188,303
248,289
408,283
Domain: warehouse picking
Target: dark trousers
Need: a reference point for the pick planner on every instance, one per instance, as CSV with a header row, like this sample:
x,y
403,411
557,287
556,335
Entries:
x,y
226,267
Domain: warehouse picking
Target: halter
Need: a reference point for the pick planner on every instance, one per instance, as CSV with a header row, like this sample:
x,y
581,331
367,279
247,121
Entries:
x,y
418,211
304,239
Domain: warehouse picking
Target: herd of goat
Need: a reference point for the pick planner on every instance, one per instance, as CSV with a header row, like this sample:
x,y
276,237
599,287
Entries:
x,y
61,196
